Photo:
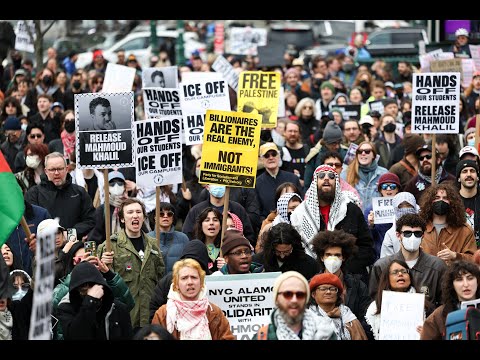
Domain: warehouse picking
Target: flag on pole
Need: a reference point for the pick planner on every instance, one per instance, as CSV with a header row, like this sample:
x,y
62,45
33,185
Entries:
x,y
11,201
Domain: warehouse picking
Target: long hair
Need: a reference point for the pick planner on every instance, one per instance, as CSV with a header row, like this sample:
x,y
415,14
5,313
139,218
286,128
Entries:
x,y
456,214
456,270
384,282
197,228
326,239
283,186
180,264
282,233
352,170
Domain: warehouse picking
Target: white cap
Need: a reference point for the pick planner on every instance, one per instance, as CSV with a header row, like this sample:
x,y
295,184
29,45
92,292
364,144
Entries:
x,y
468,150
49,226
367,119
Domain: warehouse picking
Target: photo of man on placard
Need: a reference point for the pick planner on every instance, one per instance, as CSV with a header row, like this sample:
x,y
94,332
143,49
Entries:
x,y
101,114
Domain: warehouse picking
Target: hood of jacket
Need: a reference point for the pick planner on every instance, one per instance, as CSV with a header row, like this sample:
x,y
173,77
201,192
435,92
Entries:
x,y
197,250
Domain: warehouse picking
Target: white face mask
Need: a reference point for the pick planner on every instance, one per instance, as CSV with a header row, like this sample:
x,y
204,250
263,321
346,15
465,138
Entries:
x,y
116,190
332,263
24,127
32,161
412,243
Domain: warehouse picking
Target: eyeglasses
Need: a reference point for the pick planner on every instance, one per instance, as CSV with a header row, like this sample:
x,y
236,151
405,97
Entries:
x,y
240,253
332,289
428,157
362,151
166,213
270,154
33,136
399,271
389,186
330,174
337,165
288,252
408,233
289,294
54,170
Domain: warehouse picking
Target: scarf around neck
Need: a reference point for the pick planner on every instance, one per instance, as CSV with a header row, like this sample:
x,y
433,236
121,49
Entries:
x,y
313,327
68,141
428,178
6,324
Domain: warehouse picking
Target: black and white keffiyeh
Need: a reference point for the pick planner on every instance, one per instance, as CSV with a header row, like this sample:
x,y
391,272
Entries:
x,y
282,208
313,327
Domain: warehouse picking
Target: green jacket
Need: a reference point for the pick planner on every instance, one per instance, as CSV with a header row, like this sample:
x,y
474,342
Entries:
x,y
114,280
141,277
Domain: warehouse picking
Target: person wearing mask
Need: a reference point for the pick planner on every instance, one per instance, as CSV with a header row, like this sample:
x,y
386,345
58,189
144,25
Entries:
x,y
387,140
44,85
66,143
35,135
75,87
35,168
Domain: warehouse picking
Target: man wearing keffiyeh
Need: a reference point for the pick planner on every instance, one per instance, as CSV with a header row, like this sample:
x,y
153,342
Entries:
x,y
326,208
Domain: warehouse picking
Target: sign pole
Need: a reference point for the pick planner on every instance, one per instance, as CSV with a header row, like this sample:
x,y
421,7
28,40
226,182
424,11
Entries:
x,y
225,215
108,245
477,130
434,158
157,214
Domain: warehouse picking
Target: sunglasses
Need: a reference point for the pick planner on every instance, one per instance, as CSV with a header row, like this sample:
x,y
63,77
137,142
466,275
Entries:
x,y
337,165
330,174
33,136
362,151
408,233
428,157
116,182
288,295
389,186
270,154
166,213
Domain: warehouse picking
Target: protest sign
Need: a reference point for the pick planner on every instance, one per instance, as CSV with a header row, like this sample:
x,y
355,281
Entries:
x,y
118,78
259,93
23,41
161,102
383,212
230,149
435,103
104,130
158,151
450,65
245,299
376,105
475,51
351,153
199,93
40,318
164,77
468,68
400,315
222,66
349,111
244,40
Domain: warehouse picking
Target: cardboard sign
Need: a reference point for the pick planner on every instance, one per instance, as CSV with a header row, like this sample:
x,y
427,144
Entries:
x,y
103,124
259,93
245,299
158,151
118,78
164,77
222,66
23,42
435,103
401,314
383,212
230,149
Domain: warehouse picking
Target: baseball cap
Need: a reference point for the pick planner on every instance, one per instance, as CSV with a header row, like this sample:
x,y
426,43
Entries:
x,y
115,175
367,119
267,147
389,84
48,224
468,150
423,148
55,104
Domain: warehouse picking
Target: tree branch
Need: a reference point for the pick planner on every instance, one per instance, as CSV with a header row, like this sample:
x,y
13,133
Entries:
x,y
48,27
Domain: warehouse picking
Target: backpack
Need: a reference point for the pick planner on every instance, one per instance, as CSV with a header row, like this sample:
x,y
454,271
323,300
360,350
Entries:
x,y
464,324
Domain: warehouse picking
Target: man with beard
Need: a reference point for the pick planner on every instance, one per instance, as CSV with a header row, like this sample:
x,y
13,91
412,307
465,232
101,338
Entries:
x,y
327,207
291,320
447,235
294,151
426,270
467,175
423,180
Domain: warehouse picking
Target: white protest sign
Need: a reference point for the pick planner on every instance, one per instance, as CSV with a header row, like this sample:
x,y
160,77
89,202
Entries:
x,y
197,95
23,42
40,318
245,299
401,314
103,124
376,105
468,68
383,212
118,78
281,104
161,102
222,66
244,40
164,77
435,103
475,51
158,151
435,55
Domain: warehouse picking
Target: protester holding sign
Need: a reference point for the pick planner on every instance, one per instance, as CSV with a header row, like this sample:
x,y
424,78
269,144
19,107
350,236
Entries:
x,y
208,229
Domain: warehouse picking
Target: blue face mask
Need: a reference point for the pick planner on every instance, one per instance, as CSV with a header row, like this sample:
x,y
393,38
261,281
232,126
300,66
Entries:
x,y
471,142
217,191
19,295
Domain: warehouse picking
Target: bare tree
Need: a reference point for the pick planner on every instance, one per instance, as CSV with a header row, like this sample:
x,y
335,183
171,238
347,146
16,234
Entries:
x,y
38,43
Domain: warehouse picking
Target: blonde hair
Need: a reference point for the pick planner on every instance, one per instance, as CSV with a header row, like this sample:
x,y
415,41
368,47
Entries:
x,y
352,170
191,263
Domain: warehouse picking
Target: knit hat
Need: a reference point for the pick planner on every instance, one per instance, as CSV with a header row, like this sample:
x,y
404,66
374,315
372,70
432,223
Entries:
x,y
467,150
462,164
388,178
12,123
327,84
326,278
469,131
286,275
411,142
97,53
232,239
292,70
332,133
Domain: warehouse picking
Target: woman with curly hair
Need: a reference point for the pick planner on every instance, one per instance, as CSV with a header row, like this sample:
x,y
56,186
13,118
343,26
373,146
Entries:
x,y
460,283
208,229
35,161
447,236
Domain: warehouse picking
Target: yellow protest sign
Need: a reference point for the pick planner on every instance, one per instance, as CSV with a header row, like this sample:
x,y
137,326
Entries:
x,y
230,148
259,93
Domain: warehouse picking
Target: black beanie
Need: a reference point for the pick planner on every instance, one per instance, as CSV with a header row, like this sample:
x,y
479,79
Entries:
x,y
232,239
462,164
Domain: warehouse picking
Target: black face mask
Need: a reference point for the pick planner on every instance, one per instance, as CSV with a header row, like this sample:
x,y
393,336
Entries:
x,y
366,128
441,207
69,126
389,128
364,83
47,80
76,85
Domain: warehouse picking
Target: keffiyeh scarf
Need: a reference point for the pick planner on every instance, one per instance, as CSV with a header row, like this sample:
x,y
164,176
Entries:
x,y
6,324
341,317
312,327
282,208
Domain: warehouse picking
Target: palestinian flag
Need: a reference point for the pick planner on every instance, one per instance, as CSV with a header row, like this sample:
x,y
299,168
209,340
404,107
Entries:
x,y
11,201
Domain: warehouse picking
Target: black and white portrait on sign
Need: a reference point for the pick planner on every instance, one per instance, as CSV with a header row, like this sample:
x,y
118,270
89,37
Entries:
x,y
163,77
104,130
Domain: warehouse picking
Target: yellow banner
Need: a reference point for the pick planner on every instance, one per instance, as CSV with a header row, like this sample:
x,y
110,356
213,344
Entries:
x,y
259,93
230,148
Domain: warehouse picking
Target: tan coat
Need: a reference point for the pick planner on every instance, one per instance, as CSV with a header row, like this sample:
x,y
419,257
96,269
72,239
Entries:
x,y
434,325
